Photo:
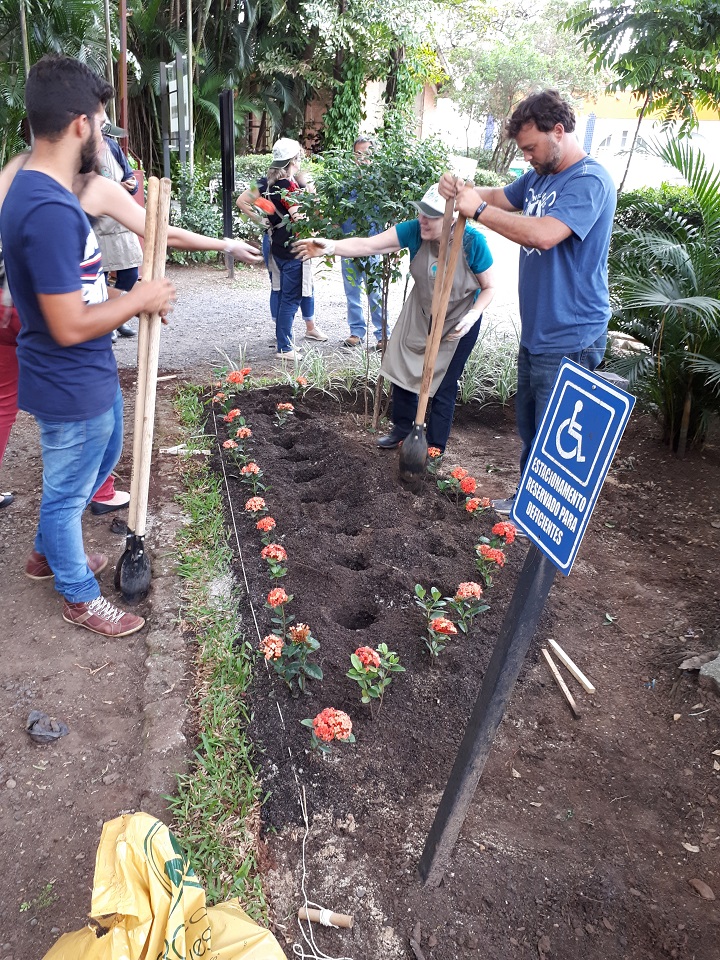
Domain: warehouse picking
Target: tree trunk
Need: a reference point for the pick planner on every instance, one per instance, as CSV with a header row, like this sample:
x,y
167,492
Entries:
x,y
685,423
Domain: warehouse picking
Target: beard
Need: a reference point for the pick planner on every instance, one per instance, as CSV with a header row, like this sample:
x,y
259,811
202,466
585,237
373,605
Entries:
x,y
88,156
552,162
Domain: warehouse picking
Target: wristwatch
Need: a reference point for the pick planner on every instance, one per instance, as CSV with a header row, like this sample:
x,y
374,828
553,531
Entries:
x,y
478,212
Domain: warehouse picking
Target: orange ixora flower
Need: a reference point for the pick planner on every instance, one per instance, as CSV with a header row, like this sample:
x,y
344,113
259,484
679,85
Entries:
x,y
246,371
469,591
277,597
285,407
273,551
302,381
459,474
250,468
331,724
472,504
219,397
492,554
266,524
434,452
243,433
231,414
229,445
368,657
505,529
235,377
443,625
467,485
254,504
299,633
272,647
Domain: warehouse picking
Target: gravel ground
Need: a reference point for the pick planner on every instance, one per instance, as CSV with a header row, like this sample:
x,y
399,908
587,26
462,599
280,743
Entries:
x,y
214,313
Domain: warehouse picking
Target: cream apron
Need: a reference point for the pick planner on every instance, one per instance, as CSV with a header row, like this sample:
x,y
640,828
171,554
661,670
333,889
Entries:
x,y
119,247
403,361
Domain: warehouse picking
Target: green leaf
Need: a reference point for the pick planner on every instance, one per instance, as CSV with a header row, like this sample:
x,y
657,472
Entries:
x,y
313,671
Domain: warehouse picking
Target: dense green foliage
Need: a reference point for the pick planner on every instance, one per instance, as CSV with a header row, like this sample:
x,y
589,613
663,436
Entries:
x,y
665,290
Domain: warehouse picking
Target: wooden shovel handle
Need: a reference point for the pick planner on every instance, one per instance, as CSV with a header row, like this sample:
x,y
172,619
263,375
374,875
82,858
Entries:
x,y
153,354
151,209
438,319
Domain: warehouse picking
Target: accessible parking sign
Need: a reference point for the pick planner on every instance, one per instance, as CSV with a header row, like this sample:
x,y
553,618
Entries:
x,y
571,455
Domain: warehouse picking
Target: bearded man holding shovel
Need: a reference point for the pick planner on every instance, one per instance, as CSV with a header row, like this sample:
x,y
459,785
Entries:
x,y
68,375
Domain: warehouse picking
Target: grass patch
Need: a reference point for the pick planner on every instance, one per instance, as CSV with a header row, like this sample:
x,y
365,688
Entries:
x,y
216,808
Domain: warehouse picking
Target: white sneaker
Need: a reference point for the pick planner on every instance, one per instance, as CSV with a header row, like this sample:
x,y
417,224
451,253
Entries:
x,y
290,355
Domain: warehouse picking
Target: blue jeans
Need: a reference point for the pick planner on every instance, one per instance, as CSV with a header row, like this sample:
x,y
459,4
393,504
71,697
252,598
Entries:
x,y
307,304
536,378
442,405
355,283
288,301
78,456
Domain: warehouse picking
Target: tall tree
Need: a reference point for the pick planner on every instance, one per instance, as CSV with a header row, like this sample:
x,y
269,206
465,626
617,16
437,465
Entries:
x,y
663,51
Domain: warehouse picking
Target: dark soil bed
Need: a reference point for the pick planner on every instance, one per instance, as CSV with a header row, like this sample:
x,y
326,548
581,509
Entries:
x,y
574,844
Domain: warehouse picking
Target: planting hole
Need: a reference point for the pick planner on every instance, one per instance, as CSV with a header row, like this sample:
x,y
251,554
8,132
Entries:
x,y
355,619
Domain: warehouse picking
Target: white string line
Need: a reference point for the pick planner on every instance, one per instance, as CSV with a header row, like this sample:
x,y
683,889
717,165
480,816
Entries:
x,y
309,938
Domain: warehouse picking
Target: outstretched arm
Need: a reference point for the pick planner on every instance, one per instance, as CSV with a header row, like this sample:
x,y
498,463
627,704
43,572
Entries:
x,y
386,242
105,197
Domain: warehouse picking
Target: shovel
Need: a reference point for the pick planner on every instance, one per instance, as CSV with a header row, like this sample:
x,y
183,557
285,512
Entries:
x,y
133,572
413,453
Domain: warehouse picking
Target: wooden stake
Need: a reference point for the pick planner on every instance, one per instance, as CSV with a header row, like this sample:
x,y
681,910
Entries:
x,y
335,919
560,682
574,670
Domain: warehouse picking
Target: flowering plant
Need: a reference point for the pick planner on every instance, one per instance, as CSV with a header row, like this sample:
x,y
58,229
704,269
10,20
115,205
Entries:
x,y
439,629
477,505
467,604
252,474
330,724
231,415
434,460
300,385
265,525
290,656
488,559
255,506
372,670
243,433
277,600
490,553
459,482
275,554
282,412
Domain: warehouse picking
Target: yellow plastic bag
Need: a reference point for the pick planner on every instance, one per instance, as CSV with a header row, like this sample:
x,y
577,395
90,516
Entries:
x,y
147,904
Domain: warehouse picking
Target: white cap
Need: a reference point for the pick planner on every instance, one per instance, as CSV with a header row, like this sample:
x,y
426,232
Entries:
x,y
284,151
432,204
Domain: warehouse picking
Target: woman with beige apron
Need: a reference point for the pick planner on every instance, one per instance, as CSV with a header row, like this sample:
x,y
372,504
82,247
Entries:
x,y
472,291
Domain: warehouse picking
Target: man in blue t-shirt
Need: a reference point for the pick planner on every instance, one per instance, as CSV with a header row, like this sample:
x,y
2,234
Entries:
x,y
68,377
568,204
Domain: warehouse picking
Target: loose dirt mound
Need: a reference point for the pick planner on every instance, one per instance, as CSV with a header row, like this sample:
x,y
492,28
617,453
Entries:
x,y
574,842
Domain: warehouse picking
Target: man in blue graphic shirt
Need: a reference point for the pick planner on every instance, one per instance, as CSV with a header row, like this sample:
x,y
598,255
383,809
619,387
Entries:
x,y
68,376
568,204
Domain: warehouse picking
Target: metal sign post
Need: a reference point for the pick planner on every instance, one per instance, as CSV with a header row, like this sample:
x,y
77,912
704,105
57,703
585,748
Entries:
x,y
571,455
227,157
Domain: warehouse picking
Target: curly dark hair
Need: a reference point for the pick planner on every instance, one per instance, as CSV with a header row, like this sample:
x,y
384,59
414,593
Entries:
x,y
545,110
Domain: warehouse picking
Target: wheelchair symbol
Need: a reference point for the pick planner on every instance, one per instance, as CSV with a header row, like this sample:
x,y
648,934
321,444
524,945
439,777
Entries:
x,y
574,431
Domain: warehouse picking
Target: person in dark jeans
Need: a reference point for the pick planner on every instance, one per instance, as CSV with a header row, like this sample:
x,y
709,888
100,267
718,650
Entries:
x,y
472,291
568,203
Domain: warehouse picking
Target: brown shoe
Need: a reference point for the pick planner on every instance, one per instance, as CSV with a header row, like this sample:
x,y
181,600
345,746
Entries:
x,y
100,616
37,567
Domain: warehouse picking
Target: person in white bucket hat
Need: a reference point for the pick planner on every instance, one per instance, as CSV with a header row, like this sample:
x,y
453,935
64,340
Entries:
x,y
291,282
472,291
